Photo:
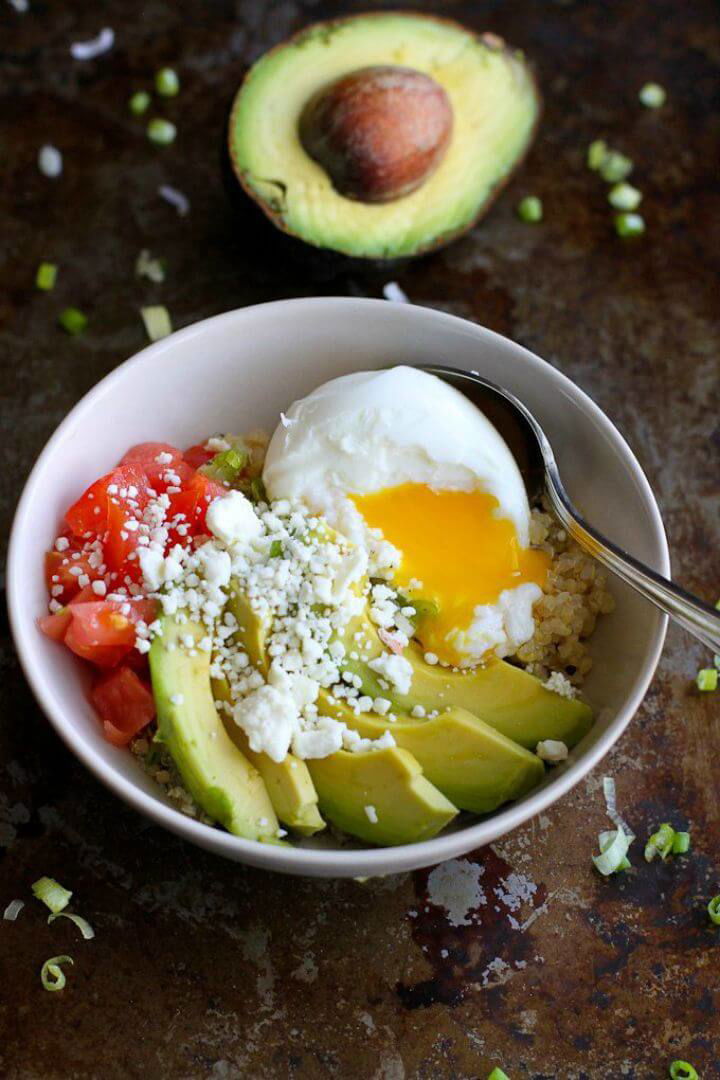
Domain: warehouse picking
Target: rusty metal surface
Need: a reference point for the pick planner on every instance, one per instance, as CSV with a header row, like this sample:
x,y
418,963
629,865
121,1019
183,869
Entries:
x,y
205,969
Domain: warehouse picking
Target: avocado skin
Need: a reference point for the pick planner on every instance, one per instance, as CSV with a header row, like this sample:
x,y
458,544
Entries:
x,y
409,808
507,698
344,261
220,779
476,767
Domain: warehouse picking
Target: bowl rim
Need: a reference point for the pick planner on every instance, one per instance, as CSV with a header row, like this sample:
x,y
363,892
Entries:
x,y
307,860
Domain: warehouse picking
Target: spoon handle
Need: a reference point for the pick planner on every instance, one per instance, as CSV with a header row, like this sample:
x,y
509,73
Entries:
x,y
698,618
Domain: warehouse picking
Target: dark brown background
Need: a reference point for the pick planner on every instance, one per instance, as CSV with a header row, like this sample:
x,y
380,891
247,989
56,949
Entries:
x,y
204,969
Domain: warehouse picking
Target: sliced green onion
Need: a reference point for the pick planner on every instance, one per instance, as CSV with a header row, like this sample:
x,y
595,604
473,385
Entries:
x,y
612,811
707,679
147,266
161,132
276,549
660,843
257,490
157,321
596,154
46,276
82,924
167,82
13,909
713,910
624,197
226,466
52,894
530,209
652,95
51,974
615,167
681,1070
681,843
629,224
614,846
139,102
498,1074
72,320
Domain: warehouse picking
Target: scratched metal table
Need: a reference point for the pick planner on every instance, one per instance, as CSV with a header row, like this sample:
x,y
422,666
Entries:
x,y
202,968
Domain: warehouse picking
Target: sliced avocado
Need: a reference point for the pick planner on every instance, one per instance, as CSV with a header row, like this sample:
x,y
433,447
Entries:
x,y
507,698
494,108
476,767
388,784
288,782
220,779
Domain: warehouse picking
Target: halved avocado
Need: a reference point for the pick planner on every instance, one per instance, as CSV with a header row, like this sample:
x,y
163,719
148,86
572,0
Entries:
x,y
494,104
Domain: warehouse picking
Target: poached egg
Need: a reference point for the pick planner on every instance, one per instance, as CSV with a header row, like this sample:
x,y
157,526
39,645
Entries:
x,y
409,469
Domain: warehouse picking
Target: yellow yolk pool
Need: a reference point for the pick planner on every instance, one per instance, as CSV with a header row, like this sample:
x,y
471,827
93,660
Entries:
x,y
451,542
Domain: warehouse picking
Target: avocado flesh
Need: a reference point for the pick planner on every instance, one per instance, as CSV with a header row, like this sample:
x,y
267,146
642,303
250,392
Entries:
x,y
408,807
476,767
218,776
288,782
507,698
495,110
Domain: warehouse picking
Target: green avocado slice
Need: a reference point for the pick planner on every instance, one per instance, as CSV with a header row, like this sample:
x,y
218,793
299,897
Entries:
x,y
288,782
476,767
220,779
380,796
507,698
495,108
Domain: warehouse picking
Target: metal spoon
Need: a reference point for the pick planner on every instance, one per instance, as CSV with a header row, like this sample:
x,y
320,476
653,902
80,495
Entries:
x,y
534,453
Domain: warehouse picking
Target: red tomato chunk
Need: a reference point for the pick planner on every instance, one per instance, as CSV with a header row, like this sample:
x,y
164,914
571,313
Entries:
x,y
124,704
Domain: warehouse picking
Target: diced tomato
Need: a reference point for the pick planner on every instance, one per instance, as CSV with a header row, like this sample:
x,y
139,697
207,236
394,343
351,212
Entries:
x,y
192,503
124,703
99,510
61,569
147,453
197,455
55,625
102,633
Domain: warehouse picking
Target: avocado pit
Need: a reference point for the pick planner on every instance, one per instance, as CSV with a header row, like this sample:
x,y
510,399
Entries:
x,y
378,132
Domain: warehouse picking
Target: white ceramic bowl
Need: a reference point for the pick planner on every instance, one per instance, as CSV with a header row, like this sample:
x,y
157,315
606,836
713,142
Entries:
x,y
237,371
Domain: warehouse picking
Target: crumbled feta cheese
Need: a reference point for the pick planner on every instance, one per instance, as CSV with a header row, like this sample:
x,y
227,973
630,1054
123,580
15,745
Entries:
x,y
319,741
269,719
552,751
232,519
430,658
560,684
62,543
396,669
372,815
177,699
381,706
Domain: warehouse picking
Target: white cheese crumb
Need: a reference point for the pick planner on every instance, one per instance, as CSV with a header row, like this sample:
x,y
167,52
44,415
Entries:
x,y
393,292
430,658
62,543
552,751
372,815
560,684
232,519
269,718
177,699
396,669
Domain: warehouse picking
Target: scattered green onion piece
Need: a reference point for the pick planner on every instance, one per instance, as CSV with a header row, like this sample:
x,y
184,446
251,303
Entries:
x,y
530,209
157,321
660,843
51,893
161,132
82,924
614,847
146,266
276,549
681,843
139,102
681,1070
652,95
13,909
72,320
498,1074
226,466
167,83
707,679
629,224
257,490
615,167
46,276
51,974
624,197
713,910
596,154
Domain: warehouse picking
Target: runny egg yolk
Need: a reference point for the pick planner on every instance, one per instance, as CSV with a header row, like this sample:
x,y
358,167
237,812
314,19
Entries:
x,y
453,543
